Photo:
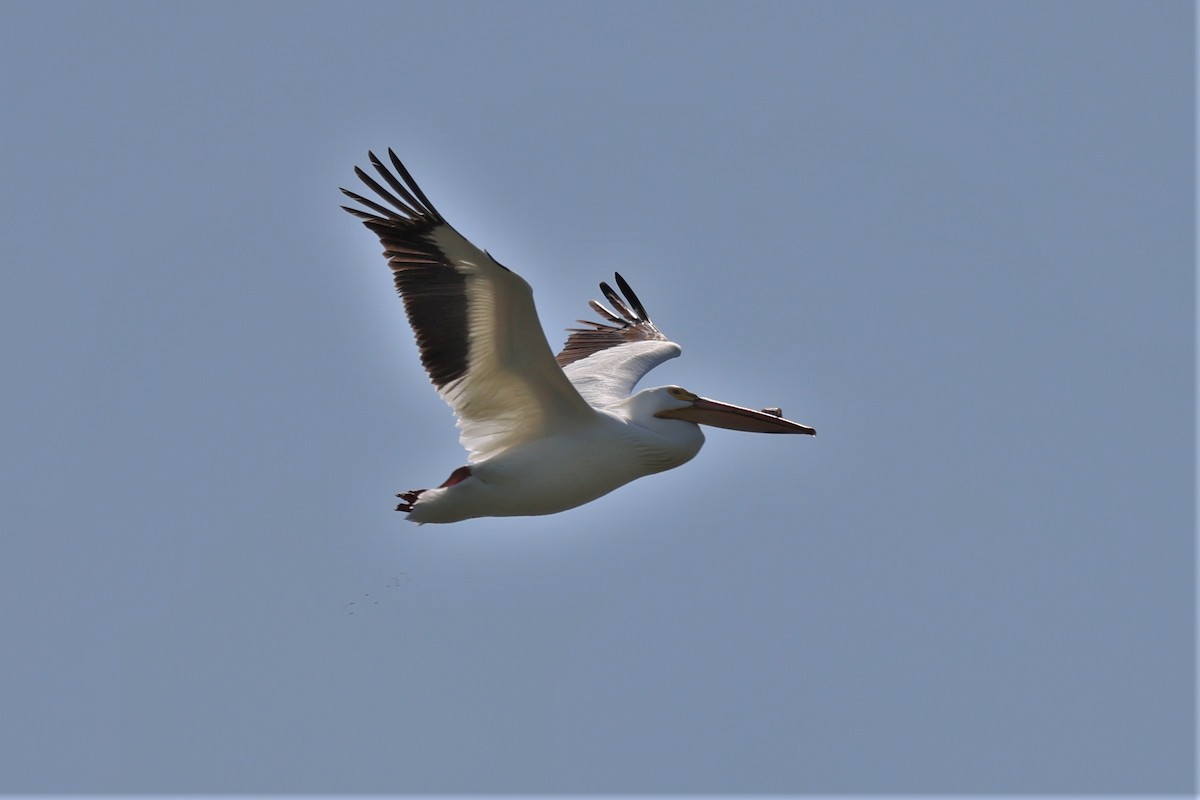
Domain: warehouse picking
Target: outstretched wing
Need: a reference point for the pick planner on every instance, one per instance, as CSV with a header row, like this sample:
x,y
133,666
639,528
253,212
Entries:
x,y
475,322
606,359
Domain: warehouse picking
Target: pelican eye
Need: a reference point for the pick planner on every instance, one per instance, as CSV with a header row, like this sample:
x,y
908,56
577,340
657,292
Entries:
x,y
681,394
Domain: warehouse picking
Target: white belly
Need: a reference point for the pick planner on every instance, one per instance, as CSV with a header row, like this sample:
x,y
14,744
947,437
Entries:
x,y
559,472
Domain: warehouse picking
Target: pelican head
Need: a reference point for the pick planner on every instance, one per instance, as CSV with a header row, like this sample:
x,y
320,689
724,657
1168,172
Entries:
x,y
674,402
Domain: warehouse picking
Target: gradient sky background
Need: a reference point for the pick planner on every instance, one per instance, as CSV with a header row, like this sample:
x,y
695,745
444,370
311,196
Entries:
x,y
956,238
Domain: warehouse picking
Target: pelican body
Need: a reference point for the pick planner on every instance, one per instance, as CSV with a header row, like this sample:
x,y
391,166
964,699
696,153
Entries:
x,y
544,433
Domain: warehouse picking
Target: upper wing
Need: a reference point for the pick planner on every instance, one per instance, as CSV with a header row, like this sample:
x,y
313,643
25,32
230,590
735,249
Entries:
x,y
606,359
474,320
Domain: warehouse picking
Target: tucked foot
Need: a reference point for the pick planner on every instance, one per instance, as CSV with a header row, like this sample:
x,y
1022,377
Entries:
x,y
409,498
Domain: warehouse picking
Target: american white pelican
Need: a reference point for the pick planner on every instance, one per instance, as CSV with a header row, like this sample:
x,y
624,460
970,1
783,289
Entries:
x,y
543,433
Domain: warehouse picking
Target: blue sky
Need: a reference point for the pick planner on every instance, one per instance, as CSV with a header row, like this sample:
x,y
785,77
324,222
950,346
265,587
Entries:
x,y
957,239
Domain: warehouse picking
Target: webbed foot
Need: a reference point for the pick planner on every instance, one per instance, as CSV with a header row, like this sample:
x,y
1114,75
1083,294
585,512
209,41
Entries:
x,y
409,498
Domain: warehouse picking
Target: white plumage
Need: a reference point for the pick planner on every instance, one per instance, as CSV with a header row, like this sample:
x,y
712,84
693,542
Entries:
x,y
543,433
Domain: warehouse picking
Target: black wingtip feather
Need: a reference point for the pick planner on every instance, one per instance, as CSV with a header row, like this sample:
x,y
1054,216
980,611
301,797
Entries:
x,y
384,210
416,189
617,302
599,308
412,194
630,326
627,290
408,208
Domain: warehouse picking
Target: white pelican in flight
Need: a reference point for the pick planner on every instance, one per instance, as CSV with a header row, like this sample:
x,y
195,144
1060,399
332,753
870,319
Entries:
x,y
544,433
